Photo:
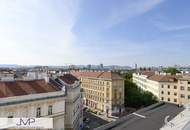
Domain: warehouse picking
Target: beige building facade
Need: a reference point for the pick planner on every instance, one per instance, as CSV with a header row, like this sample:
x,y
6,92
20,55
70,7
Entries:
x,y
168,88
102,91
178,92
184,90
169,92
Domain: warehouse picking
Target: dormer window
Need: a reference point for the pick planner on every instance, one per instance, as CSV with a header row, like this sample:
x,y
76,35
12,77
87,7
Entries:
x,y
50,107
38,112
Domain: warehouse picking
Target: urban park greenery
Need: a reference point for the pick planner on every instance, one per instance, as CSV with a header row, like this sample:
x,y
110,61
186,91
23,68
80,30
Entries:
x,y
134,96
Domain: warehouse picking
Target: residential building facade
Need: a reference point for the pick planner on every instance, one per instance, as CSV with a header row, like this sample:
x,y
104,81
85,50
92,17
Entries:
x,y
142,80
102,91
168,88
74,113
34,98
184,89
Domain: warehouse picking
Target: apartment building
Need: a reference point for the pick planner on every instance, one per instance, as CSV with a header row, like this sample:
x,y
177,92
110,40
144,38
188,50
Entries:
x,y
168,88
102,91
32,98
142,80
180,91
6,74
74,113
184,89
167,84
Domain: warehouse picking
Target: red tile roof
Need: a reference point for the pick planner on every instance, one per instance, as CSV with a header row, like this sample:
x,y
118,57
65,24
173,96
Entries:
x,y
101,74
164,78
147,73
19,88
68,78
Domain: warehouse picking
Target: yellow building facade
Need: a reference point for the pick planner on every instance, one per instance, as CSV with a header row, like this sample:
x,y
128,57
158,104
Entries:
x,y
102,91
176,92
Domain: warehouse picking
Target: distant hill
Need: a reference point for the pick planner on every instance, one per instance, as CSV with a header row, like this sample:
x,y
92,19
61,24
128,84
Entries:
x,y
9,66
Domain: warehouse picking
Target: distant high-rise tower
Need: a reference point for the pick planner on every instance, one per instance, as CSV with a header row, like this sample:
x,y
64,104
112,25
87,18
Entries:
x,y
89,66
135,66
101,66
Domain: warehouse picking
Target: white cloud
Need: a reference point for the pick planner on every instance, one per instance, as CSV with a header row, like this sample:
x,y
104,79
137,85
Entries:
x,y
130,9
37,31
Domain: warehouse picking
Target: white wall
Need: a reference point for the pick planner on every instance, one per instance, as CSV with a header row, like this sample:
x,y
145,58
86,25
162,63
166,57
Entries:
x,y
29,110
146,84
73,108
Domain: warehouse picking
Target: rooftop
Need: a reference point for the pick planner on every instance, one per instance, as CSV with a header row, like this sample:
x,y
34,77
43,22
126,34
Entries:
x,y
150,118
164,78
23,87
147,73
180,122
185,77
160,77
98,74
68,78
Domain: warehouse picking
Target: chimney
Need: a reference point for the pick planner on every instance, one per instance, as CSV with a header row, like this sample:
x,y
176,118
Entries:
x,y
46,79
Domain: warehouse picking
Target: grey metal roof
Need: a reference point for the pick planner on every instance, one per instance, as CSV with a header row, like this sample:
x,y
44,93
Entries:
x,y
154,118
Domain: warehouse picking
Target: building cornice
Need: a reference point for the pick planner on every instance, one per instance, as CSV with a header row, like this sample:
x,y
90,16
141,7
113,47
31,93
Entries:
x,y
30,98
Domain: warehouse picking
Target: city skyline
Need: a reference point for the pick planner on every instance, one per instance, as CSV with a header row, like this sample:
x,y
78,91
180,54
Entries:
x,y
124,32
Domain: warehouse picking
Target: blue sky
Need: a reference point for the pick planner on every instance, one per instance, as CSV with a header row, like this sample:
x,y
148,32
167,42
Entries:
x,y
123,32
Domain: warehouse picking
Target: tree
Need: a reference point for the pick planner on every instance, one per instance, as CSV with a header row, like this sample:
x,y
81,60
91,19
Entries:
x,y
134,96
128,76
171,70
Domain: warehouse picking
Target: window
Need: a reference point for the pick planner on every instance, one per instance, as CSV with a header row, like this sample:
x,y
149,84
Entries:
x,y
38,112
50,110
162,92
168,99
162,98
188,88
175,87
168,93
168,86
162,86
175,100
188,82
182,88
119,95
107,89
182,96
188,96
10,120
115,94
175,94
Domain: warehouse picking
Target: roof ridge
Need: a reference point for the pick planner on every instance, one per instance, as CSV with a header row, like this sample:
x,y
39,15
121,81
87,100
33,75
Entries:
x,y
100,74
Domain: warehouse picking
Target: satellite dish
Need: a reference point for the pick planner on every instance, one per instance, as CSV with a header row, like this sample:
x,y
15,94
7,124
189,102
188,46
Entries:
x,y
166,119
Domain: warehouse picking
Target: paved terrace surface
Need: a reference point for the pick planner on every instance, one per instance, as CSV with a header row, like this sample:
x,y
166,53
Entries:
x,y
149,118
